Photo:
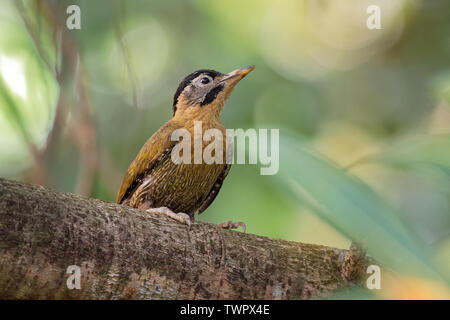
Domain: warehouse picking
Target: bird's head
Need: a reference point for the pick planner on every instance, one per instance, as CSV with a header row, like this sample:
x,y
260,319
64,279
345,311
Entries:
x,y
204,92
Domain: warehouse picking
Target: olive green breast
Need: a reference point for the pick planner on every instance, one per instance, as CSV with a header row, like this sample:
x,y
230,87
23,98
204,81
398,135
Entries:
x,y
180,187
154,180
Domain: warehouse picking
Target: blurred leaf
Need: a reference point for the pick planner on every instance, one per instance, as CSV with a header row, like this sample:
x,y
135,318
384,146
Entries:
x,y
432,150
12,110
351,207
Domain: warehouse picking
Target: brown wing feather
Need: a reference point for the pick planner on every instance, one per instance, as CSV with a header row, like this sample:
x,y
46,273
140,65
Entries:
x,y
153,151
215,189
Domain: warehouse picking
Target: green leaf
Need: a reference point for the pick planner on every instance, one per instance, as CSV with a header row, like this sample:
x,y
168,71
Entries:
x,y
12,110
431,150
351,206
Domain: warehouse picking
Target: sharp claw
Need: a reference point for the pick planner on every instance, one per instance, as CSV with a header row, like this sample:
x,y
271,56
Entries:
x,y
233,225
180,216
184,218
239,224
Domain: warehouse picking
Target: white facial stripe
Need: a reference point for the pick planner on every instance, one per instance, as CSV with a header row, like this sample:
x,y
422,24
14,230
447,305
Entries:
x,y
202,76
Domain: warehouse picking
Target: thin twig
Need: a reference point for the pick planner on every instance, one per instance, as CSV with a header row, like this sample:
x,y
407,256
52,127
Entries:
x,y
85,137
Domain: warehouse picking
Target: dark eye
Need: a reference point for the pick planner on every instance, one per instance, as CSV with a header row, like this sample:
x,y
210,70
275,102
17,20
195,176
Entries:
x,y
205,80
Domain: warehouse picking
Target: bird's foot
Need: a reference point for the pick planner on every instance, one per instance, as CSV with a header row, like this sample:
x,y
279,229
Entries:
x,y
180,216
232,225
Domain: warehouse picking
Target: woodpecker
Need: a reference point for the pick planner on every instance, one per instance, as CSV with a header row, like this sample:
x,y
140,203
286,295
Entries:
x,y
157,184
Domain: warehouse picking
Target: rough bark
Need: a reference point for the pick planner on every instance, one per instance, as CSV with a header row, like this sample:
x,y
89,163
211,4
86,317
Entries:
x,y
126,253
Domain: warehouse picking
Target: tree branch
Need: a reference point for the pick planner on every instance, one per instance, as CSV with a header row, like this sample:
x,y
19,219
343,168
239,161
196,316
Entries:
x,y
125,253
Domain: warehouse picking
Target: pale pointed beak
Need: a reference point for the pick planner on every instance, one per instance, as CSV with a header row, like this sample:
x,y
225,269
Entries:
x,y
239,73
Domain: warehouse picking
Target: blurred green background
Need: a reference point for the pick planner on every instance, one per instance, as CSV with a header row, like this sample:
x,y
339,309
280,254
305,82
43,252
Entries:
x,y
364,115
